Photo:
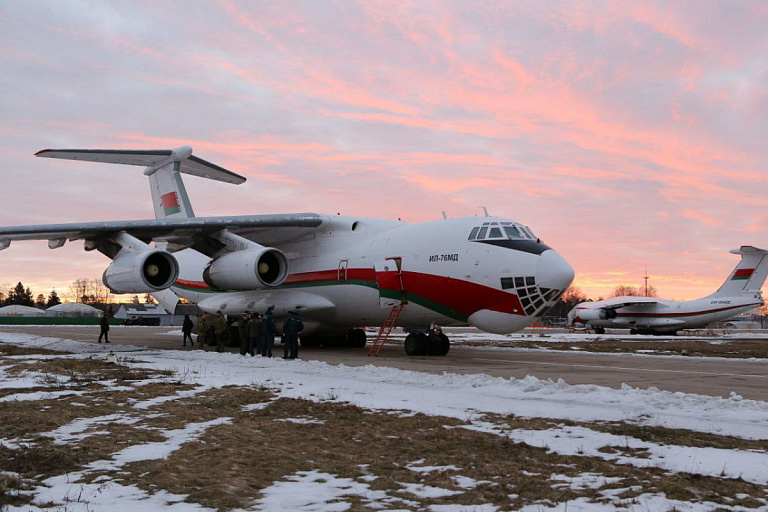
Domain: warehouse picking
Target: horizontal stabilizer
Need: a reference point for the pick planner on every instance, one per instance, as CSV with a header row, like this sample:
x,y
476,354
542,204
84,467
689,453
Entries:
x,y
152,159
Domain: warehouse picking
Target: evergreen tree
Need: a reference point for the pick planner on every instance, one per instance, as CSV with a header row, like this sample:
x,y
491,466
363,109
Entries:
x,y
21,296
40,301
53,299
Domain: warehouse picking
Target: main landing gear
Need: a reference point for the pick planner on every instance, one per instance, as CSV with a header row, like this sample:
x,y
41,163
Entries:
x,y
423,344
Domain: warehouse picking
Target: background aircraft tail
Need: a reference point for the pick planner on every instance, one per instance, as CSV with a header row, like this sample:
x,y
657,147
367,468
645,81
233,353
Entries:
x,y
748,276
163,167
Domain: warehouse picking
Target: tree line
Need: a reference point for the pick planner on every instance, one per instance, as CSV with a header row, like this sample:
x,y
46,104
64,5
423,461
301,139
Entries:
x,y
87,291
21,296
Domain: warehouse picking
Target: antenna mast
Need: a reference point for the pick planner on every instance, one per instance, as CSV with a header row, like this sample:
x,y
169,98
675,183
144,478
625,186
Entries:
x,y
646,279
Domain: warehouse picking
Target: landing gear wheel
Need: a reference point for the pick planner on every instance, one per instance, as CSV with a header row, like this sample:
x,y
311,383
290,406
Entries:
x,y
633,331
356,338
416,344
599,330
439,347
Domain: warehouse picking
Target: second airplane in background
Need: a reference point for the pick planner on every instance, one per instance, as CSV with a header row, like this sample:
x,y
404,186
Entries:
x,y
740,293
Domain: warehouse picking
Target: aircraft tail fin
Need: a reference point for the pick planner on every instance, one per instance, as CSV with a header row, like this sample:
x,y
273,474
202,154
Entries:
x,y
749,275
163,167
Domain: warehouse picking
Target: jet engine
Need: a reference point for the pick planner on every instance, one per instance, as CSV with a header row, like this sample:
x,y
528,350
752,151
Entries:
x,y
585,315
247,270
141,272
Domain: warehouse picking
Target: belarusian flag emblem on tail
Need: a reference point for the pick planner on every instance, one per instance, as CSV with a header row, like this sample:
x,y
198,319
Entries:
x,y
171,203
742,273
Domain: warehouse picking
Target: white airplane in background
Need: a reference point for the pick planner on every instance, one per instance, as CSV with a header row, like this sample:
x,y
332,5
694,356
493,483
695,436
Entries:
x,y
341,273
739,293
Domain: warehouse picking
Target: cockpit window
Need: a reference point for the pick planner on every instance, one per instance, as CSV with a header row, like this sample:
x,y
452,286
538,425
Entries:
x,y
513,232
501,231
528,232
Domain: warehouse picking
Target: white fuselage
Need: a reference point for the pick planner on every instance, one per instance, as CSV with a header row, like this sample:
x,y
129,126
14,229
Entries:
x,y
351,271
664,315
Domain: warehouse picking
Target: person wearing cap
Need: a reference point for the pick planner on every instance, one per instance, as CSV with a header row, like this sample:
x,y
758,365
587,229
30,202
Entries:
x,y
244,333
186,331
291,329
268,332
220,329
254,335
203,324
104,323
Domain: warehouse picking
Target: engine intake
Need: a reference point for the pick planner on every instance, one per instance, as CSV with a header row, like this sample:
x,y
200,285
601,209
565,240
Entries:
x,y
247,270
141,272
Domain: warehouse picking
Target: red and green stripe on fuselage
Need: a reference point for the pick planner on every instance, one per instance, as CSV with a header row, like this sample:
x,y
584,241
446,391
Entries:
x,y
453,298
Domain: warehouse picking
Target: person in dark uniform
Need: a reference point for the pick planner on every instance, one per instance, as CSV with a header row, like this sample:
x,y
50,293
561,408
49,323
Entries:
x,y
104,327
202,331
244,333
254,335
220,329
268,332
186,331
291,329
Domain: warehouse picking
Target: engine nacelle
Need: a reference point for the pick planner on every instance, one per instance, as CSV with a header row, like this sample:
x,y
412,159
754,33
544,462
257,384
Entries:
x,y
141,272
247,270
585,315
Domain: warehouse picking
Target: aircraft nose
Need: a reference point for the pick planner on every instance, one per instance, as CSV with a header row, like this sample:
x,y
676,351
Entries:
x,y
553,271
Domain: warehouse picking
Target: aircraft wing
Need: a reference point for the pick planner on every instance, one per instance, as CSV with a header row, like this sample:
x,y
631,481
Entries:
x,y
180,233
629,301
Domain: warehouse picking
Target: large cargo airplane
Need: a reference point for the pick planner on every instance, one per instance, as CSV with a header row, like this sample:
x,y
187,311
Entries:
x,y
739,293
341,273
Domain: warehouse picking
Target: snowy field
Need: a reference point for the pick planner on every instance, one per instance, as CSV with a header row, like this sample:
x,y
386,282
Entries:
x,y
466,397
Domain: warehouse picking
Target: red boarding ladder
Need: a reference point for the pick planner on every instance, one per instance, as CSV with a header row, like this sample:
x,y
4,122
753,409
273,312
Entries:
x,y
385,329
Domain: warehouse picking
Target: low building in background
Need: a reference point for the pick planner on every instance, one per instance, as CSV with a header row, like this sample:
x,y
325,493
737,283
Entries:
x,y
73,310
23,311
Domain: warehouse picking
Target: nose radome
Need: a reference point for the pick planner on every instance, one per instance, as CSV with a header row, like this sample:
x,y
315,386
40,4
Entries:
x,y
553,271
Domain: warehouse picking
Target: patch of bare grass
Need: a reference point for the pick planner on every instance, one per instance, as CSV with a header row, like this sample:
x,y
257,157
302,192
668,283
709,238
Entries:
x,y
681,437
232,463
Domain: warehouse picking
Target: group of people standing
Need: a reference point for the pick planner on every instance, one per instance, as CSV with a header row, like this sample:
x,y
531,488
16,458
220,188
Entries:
x,y
256,332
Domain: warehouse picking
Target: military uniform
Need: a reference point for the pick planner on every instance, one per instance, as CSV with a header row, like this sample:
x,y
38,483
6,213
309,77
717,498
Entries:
x,y
268,331
220,329
244,334
291,329
255,335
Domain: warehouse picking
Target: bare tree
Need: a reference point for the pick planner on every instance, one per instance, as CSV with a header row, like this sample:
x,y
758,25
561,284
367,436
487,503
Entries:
x,y
97,292
90,290
631,291
78,289
626,291
572,296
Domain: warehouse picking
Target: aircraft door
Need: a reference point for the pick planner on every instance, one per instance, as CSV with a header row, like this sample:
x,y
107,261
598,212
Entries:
x,y
389,278
342,272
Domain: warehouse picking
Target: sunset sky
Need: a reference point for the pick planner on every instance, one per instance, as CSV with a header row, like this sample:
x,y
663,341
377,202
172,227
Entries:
x,y
627,135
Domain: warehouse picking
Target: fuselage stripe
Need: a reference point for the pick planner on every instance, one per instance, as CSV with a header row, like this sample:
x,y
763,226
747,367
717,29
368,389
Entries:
x,y
692,313
445,295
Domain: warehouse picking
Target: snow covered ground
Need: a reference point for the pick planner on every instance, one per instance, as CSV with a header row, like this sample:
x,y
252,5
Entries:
x,y
450,395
